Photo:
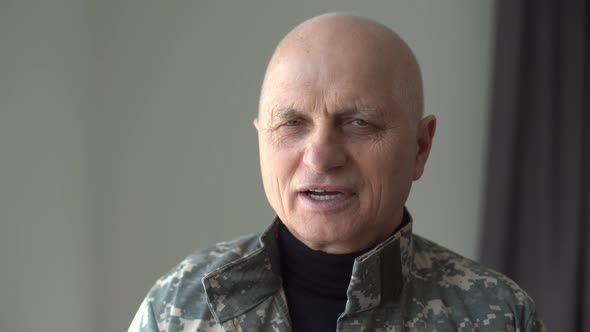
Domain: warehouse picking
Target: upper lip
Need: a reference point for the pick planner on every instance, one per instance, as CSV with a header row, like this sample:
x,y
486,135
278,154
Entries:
x,y
325,187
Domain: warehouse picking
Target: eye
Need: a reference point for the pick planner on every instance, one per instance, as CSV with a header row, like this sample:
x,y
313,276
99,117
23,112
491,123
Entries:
x,y
293,123
360,123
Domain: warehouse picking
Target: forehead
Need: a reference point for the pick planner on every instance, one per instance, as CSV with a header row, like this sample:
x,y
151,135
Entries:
x,y
309,85
280,112
336,103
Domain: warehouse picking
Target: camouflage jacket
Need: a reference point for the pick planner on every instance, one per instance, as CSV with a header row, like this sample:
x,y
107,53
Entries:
x,y
406,283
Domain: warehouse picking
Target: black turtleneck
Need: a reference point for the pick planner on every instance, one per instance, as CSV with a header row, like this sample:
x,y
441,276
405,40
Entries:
x,y
315,283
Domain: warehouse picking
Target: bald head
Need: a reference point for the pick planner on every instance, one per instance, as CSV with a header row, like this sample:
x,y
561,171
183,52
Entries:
x,y
346,43
339,131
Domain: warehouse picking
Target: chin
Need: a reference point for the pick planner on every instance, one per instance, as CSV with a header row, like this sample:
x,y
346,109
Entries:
x,y
322,231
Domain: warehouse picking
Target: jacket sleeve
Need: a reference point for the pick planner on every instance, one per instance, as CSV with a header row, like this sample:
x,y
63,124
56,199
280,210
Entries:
x,y
144,320
534,324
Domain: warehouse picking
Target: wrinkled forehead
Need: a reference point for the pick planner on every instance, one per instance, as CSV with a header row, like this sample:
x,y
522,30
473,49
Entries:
x,y
339,61
281,102
309,81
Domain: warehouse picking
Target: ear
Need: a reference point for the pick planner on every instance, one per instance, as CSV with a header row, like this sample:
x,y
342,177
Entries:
x,y
255,123
425,134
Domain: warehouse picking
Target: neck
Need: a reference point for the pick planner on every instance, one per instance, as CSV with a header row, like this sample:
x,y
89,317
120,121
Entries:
x,y
315,271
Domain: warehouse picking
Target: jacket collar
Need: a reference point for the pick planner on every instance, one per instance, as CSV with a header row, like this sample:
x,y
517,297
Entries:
x,y
378,275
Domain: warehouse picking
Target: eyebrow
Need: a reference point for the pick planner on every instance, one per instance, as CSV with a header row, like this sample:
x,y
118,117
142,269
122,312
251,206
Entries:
x,y
284,113
358,110
290,112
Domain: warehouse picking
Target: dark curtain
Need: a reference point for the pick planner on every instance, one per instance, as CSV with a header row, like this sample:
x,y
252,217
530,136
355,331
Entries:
x,y
537,204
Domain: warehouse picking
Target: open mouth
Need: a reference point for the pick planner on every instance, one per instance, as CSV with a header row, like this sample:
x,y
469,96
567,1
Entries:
x,y
323,195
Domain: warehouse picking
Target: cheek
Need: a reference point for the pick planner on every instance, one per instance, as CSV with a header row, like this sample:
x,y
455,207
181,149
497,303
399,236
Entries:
x,y
381,162
278,166
388,171
278,161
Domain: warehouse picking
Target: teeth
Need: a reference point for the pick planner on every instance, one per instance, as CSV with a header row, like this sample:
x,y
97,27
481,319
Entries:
x,y
323,197
318,190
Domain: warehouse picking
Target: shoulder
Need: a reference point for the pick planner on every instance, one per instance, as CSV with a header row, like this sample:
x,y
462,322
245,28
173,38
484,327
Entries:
x,y
474,292
178,297
202,261
451,270
188,273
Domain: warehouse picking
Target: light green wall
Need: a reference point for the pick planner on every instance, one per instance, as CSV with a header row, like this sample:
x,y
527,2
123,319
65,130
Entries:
x,y
45,258
127,141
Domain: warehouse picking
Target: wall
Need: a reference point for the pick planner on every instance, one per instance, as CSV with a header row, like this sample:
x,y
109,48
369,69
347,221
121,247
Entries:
x,y
127,141
45,260
179,166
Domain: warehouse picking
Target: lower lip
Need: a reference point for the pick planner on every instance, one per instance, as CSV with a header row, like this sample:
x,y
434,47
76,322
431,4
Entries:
x,y
337,202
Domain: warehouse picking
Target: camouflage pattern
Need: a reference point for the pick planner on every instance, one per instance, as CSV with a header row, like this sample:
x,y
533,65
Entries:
x,y
406,283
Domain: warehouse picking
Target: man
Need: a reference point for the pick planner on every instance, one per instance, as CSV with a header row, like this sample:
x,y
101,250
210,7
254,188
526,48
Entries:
x,y
342,138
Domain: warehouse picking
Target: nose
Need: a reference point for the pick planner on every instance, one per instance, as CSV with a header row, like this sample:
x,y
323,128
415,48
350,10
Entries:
x,y
325,150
